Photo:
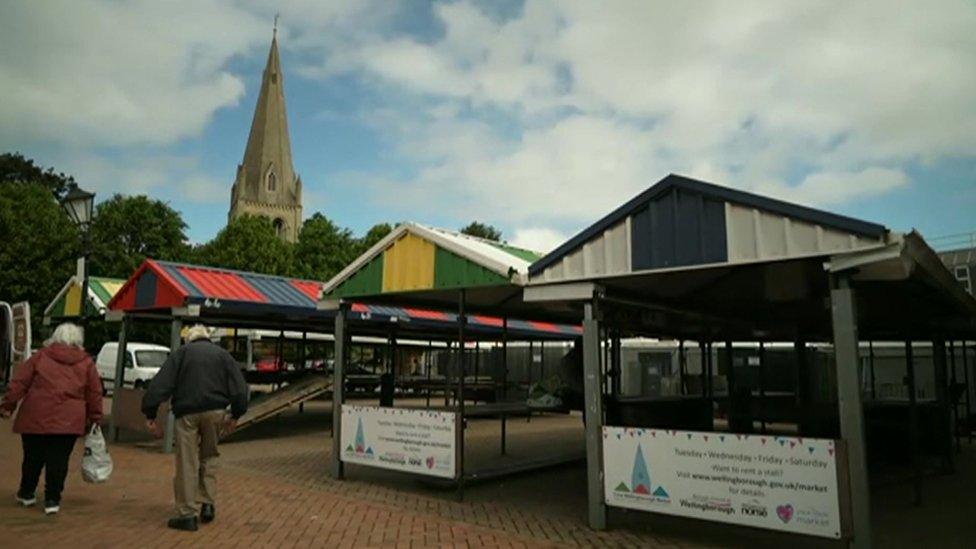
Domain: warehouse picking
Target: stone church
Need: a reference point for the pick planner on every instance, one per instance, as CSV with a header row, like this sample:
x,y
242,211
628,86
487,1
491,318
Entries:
x,y
266,182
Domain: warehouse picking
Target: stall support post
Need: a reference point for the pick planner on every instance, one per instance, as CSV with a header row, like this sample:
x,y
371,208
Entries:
x,y
729,380
447,376
874,394
941,395
429,362
799,390
844,317
504,395
119,377
594,417
505,359
174,343
303,350
965,374
953,380
615,364
338,390
682,364
762,386
913,422
462,324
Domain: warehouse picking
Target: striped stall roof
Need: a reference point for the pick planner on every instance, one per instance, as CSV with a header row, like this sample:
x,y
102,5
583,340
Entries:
x,y
163,285
416,257
67,302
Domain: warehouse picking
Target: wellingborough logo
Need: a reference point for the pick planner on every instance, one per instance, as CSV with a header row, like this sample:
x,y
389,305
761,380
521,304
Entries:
x,y
640,483
360,448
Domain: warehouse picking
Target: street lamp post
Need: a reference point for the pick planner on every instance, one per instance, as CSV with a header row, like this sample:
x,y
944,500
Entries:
x,y
79,205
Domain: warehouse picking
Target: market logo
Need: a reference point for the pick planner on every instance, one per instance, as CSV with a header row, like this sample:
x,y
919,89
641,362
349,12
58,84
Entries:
x,y
753,509
640,482
785,513
360,448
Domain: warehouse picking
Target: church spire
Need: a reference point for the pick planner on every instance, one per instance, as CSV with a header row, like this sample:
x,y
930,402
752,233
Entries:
x,y
266,180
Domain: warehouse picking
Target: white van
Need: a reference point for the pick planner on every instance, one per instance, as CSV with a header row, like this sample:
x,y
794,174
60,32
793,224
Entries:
x,y
142,362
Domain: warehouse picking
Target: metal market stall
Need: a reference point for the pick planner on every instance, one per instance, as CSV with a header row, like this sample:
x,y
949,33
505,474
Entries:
x,y
414,262
176,294
696,261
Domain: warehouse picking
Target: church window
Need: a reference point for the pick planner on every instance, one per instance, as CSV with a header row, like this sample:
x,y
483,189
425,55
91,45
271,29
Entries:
x,y
272,181
279,226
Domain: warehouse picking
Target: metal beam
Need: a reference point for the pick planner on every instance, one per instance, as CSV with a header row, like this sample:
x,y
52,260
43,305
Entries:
x,y
941,395
597,511
338,391
462,323
913,422
847,363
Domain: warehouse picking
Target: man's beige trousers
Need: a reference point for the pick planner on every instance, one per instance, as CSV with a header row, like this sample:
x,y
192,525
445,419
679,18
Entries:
x,y
196,460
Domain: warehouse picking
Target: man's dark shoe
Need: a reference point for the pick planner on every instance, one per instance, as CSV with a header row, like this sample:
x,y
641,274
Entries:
x,y
207,513
188,524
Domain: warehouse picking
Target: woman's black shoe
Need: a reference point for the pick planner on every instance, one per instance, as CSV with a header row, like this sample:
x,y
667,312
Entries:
x,y
188,524
207,513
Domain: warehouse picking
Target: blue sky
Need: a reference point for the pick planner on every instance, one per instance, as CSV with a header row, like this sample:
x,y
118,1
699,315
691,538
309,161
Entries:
x,y
537,117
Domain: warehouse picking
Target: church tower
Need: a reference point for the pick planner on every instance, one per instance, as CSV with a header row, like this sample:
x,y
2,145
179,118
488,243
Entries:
x,y
266,182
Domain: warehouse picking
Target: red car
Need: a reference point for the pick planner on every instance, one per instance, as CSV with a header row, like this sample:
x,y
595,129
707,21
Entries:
x,y
270,364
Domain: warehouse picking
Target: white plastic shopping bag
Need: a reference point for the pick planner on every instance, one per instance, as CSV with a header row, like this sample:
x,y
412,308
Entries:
x,y
96,465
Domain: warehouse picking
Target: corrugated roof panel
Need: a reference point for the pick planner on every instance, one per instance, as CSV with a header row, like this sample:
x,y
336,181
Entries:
x,y
681,221
222,285
279,291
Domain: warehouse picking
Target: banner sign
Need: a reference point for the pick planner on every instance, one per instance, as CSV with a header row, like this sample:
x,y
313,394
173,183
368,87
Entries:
x,y
413,441
779,483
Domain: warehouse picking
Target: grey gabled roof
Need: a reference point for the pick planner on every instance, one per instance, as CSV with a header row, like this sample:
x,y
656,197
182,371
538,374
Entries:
x,y
716,192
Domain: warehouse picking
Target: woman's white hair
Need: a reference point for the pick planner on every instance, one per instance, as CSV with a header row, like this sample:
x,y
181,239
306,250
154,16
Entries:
x,y
67,334
197,331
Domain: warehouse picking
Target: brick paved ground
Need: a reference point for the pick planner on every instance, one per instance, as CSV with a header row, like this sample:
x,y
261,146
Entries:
x,y
274,491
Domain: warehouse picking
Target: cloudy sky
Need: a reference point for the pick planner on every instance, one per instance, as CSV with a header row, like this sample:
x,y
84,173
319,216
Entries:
x,y
536,116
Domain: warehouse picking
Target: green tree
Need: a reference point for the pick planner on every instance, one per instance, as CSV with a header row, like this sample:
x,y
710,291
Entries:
x,y
373,235
128,229
39,246
14,167
248,243
323,249
482,230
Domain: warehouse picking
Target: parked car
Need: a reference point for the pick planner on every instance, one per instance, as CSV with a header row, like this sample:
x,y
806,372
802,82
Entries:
x,y
142,362
270,364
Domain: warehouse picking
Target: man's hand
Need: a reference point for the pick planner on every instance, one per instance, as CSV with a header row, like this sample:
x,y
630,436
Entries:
x,y
4,413
230,425
153,428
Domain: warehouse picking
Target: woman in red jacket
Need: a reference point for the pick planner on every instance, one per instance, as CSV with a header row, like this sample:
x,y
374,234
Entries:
x,y
62,398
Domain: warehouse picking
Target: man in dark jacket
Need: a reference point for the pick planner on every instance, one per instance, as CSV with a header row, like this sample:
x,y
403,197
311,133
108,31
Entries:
x,y
201,380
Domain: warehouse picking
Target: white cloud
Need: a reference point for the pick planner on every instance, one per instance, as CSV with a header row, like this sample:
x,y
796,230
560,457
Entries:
x,y
819,102
831,188
171,177
106,73
542,240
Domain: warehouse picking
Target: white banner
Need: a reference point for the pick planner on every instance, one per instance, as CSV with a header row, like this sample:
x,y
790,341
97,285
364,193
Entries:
x,y
780,483
413,441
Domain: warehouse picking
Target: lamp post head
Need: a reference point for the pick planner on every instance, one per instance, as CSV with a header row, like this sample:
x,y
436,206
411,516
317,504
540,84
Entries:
x,y
79,205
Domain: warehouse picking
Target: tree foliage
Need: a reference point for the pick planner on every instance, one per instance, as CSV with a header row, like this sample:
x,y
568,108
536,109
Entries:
x,y
128,229
323,249
248,243
373,235
482,230
39,247
15,167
